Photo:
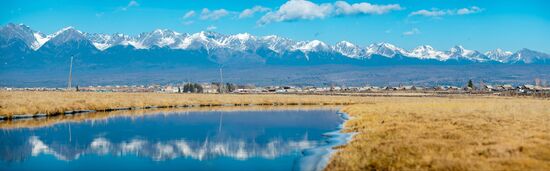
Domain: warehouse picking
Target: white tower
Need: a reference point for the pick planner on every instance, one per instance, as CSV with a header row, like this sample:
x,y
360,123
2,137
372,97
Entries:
x,y
70,74
221,80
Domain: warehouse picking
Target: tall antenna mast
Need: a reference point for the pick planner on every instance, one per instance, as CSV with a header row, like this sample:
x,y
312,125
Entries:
x,y
70,74
221,80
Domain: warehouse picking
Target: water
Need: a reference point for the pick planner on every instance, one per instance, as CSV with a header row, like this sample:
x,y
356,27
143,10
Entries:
x,y
214,140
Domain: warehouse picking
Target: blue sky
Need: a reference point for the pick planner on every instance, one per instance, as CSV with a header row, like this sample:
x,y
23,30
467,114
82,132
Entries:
x,y
476,24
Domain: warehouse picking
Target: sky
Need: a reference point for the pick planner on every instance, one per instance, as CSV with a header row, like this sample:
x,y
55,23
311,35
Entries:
x,y
476,24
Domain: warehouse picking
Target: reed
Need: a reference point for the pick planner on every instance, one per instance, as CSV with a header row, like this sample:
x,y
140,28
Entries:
x,y
447,134
33,102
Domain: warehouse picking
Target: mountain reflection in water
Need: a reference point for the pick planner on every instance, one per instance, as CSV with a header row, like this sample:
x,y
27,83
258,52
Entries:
x,y
253,138
159,151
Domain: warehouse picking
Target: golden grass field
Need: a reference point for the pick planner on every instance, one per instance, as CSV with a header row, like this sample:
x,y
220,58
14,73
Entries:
x,y
447,134
29,102
393,133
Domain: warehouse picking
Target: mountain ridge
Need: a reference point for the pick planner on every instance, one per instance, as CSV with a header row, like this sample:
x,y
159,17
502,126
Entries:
x,y
221,48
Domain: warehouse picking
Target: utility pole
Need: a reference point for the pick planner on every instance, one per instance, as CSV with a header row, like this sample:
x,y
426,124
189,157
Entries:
x,y
221,80
70,74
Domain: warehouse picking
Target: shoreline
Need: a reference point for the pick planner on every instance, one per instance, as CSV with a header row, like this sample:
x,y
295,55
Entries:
x,y
318,158
79,112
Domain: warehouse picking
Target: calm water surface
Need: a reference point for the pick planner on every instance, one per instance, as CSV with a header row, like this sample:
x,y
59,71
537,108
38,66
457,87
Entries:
x,y
239,140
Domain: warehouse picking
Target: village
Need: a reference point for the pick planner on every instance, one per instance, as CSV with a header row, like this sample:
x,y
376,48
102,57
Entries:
x,y
215,88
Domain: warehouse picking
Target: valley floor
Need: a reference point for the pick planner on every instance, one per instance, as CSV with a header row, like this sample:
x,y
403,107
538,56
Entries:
x,y
393,133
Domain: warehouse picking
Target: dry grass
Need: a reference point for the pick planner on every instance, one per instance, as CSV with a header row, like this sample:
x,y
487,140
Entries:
x,y
447,134
56,102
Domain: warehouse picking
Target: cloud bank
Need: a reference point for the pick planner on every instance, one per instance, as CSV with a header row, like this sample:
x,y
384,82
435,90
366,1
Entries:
x,y
439,13
207,14
305,10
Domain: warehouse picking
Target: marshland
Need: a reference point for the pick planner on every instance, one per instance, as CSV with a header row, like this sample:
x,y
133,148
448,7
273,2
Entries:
x,y
390,133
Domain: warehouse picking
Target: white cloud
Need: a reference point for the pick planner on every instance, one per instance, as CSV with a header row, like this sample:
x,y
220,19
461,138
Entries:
x,y
211,28
305,10
132,3
411,32
250,12
189,14
206,14
429,13
471,10
344,8
434,12
297,9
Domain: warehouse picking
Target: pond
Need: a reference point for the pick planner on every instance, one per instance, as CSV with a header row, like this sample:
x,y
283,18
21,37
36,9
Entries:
x,y
199,140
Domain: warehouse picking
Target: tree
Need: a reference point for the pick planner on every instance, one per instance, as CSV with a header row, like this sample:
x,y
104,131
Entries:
x,y
470,84
192,88
230,87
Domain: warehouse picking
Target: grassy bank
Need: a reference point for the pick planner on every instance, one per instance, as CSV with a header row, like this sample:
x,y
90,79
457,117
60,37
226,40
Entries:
x,y
19,102
447,134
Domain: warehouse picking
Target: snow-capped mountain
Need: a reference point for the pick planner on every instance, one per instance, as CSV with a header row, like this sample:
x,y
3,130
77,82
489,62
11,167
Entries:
x,y
385,49
311,46
499,55
32,39
160,38
528,56
203,39
349,49
276,43
105,41
459,52
428,52
65,35
246,45
241,42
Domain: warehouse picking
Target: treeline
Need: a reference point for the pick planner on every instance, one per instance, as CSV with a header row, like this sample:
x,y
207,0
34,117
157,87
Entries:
x,y
192,88
198,88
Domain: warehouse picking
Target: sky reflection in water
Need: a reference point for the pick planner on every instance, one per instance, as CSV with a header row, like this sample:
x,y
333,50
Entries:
x,y
240,140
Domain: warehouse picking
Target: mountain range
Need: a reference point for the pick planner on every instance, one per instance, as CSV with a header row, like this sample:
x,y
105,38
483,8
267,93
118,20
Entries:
x,y
23,47
32,58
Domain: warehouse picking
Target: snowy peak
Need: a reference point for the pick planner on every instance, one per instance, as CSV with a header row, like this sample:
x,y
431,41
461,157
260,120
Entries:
x,y
312,46
499,55
241,41
385,49
22,32
276,43
67,34
105,41
458,52
242,36
160,38
23,37
349,49
204,39
529,56
427,52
